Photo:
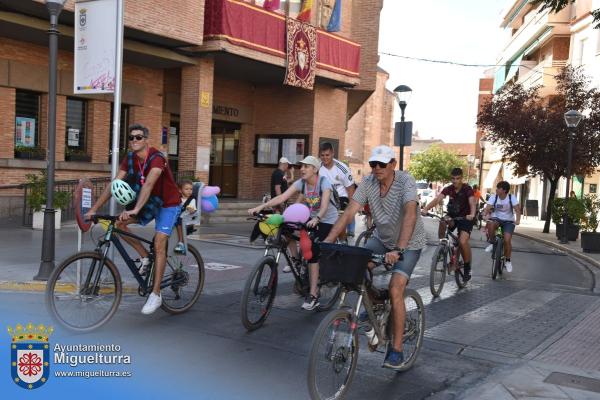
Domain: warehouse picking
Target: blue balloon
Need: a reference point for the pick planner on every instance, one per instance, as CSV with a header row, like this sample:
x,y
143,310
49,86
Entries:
x,y
210,203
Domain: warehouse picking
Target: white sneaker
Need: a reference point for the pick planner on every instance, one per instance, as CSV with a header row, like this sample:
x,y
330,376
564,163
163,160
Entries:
x,y
489,248
152,304
508,266
287,269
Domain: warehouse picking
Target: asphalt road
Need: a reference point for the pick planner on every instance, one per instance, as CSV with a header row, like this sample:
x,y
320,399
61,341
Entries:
x,y
207,352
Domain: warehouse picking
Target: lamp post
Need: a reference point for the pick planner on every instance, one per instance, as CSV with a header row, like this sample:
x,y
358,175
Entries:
x,y
47,263
402,94
482,144
572,119
470,161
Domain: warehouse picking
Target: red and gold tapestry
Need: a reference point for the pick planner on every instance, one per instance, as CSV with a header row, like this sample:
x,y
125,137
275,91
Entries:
x,y
301,55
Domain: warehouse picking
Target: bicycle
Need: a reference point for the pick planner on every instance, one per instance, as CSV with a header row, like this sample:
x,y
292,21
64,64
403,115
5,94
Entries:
x,y
335,346
498,261
261,286
84,291
364,236
446,259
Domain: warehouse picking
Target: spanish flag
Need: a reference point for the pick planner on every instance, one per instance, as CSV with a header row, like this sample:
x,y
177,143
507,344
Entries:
x,y
304,15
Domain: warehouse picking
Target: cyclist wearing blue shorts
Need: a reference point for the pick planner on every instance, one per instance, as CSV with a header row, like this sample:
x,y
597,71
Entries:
x,y
400,233
505,212
157,198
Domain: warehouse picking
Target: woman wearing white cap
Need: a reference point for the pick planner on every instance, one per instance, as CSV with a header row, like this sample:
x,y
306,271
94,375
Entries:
x,y
315,193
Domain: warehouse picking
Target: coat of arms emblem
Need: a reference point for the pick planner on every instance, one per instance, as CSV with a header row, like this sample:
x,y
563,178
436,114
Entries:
x,y
30,355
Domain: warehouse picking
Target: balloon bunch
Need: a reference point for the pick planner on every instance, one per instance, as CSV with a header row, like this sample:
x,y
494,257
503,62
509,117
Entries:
x,y
209,201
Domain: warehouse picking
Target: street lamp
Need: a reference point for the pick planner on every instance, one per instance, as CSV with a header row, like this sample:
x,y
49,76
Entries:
x,y
47,263
402,93
483,142
572,119
470,161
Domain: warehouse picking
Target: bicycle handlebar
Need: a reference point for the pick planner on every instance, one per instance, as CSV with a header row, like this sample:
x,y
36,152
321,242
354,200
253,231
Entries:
x,y
445,217
259,216
96,217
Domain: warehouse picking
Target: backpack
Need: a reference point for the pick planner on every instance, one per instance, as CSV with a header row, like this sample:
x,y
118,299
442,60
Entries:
x,y
334,199
509,200
154,204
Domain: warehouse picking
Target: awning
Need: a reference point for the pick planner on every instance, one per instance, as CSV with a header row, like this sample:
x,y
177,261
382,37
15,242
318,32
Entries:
x,y
514,67
491,176
499,77
512,179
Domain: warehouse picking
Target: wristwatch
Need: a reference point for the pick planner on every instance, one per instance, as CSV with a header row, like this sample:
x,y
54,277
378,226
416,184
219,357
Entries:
x,y
400,250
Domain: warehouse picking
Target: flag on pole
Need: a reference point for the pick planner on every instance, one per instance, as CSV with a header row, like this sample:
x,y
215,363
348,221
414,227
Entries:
x,y
304,15
335,21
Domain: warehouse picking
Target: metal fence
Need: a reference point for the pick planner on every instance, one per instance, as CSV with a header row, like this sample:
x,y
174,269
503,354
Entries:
x,y
14,192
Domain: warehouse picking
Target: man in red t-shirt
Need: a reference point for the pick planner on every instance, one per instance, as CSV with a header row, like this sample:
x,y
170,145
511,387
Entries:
x,y
156,180
461,205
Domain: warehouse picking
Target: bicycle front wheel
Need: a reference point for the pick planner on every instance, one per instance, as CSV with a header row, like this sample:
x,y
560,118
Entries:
x,y
184,274
437,272
362,239
414,328
333,356
259,293
329,294
83,292
498,253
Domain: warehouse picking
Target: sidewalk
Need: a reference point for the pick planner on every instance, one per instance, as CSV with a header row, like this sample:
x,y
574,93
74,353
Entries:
x,y
532,229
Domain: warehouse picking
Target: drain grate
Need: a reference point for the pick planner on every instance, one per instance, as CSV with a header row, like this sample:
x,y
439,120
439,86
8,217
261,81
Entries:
x,y
574,381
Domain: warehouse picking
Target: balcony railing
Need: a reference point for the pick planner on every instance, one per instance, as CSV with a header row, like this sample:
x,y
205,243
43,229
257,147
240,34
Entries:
x,y
542,75
246,25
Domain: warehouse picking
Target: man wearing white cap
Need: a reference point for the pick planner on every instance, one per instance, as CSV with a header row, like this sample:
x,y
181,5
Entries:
x,y
315,193
400,234
279,182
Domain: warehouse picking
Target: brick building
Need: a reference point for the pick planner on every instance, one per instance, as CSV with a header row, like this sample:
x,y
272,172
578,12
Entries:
x,y
200,76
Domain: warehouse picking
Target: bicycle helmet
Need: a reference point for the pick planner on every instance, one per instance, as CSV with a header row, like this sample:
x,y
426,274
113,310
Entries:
x,y
122,192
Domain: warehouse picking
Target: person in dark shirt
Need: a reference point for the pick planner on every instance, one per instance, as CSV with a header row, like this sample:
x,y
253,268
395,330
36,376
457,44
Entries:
x,y
462,205
279,182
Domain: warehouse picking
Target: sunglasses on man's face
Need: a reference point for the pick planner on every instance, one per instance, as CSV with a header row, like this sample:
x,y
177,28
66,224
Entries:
x,y
379,164
136,137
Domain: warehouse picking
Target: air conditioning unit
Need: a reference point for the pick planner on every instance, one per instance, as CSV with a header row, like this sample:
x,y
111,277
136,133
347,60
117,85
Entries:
x,y
348,152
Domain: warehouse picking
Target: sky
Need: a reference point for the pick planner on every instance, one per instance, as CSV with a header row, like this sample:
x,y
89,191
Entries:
x,y
443,104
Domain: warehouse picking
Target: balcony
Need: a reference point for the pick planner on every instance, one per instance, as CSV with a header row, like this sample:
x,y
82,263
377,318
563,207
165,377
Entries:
x,y
541,75
251,32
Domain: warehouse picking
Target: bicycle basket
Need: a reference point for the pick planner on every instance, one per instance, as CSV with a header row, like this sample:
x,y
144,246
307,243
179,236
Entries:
x,y
341,263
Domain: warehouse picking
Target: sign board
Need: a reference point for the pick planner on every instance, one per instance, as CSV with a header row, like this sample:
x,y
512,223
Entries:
x,y
532,208
25,131
403,133
95,46
73,137
82,202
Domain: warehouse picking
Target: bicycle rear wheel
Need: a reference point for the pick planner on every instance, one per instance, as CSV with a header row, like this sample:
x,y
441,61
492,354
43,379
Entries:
x,y
437,272
83,293
333,356
185,272
259,293
414,328
329,293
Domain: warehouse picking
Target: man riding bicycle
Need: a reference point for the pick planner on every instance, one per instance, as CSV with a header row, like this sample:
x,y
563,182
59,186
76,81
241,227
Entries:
x,y
158,199
503,207
461,205
400,234
340,177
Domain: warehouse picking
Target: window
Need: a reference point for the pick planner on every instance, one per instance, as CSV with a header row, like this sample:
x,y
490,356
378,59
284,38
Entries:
x,y
76,135
287,7
593,188
582,48
27,125
270,148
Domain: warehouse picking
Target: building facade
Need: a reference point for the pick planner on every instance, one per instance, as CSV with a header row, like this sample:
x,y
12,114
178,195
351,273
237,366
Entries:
x,y
205,76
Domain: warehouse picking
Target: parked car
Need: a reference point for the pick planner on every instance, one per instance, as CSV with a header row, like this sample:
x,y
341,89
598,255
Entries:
x,y
426,196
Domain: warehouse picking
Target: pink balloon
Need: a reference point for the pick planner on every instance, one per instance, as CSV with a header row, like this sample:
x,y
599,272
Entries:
x,y
296,213
210,191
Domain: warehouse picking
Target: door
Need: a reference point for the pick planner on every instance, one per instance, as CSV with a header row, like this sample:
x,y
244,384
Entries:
x,y
224,157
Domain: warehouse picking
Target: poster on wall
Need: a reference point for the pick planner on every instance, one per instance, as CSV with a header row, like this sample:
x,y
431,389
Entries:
x,y
73,137
95,46
25,131
293,150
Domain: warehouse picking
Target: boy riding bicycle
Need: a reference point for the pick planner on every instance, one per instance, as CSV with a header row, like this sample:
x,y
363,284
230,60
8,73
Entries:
x,y
158,198
504,207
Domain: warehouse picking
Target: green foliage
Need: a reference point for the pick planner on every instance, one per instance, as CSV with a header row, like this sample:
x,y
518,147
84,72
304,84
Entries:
x,y
575,212
435,164
589,222
30,152
557,5
36,192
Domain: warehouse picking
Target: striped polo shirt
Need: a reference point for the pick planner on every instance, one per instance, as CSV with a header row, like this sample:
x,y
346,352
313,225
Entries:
x,y
388,211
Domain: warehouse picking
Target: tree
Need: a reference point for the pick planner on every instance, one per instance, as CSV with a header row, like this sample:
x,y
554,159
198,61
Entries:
x,y
434,164
531,131
557,5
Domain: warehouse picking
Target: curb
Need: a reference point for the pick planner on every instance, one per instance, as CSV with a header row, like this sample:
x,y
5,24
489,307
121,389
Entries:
x,y
590,264
40,286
